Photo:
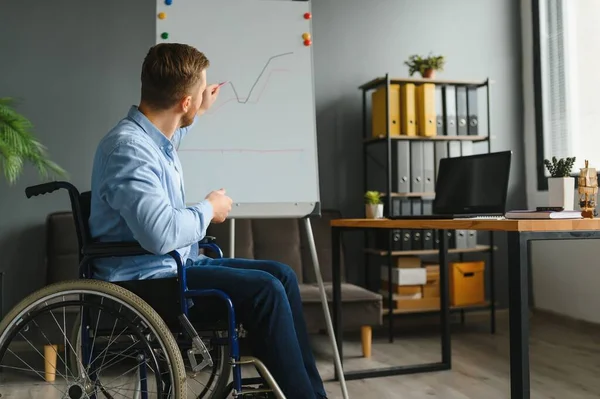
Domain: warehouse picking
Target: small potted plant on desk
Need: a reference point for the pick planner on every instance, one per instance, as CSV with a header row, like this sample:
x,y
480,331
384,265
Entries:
x,y
561,185
18,145
373,205
426,66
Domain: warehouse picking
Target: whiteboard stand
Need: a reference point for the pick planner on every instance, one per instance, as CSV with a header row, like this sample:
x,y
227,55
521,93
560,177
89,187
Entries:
x,y
315,262
232,238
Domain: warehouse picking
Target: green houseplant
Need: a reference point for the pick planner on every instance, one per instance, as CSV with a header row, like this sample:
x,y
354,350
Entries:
x,y
426,66
18,146
373,205
561,185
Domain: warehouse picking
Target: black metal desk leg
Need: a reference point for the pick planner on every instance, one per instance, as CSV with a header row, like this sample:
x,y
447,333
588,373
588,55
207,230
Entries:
x,y
444,300
337,292
518,247
492,285
391,302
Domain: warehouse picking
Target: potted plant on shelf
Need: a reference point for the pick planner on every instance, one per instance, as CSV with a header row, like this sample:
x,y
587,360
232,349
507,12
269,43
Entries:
x,y
373,205
18,145
426,66
561,185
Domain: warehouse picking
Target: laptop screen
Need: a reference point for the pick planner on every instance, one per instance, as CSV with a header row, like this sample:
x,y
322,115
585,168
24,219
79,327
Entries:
x,y
473,184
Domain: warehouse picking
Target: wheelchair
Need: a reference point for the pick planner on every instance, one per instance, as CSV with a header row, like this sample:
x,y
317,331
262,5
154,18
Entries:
x,y
166,341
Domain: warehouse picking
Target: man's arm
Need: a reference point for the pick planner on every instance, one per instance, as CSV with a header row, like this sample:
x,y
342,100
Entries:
x,y
131,184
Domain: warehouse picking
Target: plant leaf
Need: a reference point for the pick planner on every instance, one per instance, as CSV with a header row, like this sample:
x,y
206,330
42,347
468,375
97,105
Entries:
x,y
19,146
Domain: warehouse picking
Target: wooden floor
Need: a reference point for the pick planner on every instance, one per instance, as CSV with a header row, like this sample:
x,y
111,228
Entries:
x,y
565,361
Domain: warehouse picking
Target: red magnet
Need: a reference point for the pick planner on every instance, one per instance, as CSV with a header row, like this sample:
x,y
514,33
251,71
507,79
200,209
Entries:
x,y
307,42
307,15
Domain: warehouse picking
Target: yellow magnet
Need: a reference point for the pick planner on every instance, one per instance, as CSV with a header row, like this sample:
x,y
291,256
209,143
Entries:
x,y
306,36
162,15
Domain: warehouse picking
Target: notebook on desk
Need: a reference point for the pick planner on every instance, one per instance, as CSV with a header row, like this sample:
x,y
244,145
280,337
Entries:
x,y
470,187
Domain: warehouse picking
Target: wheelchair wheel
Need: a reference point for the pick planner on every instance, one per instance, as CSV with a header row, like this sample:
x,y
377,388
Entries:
x,y
126,349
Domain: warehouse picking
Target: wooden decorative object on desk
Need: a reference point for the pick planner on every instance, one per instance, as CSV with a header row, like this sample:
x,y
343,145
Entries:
x,y
588,190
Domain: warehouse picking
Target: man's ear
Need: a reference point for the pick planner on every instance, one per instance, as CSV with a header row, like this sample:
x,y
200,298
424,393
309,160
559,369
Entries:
x,y
186,103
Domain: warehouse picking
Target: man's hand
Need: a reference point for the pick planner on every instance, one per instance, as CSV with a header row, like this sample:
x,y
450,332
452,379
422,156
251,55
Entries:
x,y
221,205
209,96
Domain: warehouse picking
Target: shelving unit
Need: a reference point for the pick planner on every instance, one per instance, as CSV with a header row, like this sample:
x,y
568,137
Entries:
x,y
424,197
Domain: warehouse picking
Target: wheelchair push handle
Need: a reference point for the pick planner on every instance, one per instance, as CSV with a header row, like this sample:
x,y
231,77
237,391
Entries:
x,y
46,188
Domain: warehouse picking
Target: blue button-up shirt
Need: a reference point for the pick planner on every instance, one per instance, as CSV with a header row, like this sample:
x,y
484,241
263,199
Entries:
x,y
138,195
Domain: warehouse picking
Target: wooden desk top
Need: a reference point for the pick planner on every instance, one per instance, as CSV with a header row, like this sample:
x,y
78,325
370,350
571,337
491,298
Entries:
x,y
450,224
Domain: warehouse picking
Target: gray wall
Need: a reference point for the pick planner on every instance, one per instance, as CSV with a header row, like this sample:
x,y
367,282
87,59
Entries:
x,y
77,74
357,40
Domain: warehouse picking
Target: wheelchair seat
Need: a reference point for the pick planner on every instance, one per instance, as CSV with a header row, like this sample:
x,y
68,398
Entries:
x,y
163,296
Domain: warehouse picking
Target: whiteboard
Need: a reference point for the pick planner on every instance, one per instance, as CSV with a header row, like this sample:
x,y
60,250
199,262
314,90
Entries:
x,y
258,140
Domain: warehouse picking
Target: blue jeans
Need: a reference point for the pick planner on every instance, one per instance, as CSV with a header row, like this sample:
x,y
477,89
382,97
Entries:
x,y
266,298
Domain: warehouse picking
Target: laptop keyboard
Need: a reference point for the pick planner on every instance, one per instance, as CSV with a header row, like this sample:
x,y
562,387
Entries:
x,y
481,217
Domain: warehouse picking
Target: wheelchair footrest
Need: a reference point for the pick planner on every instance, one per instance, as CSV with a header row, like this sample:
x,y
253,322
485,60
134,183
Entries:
x,y
264,372
256,393
198,347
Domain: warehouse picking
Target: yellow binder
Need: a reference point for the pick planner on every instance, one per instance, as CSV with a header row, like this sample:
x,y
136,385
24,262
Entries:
x,y
378,115
426,116
407,110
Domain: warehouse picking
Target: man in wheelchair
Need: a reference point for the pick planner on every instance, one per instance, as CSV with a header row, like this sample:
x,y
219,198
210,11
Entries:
x,y
138,194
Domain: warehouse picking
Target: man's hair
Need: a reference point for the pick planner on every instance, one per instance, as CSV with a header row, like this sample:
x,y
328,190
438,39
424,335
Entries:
x,y
169,71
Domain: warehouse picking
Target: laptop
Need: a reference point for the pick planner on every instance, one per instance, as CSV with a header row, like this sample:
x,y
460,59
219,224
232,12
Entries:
x,y
470,187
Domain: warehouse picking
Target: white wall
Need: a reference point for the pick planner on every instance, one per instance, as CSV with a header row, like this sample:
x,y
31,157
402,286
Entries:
x,y
566,275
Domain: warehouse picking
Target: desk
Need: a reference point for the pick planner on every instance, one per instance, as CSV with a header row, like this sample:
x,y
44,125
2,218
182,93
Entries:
x,y
519,234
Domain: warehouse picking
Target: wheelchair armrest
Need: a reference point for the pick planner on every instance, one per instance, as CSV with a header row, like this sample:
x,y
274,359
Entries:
x,y
110,249
207,240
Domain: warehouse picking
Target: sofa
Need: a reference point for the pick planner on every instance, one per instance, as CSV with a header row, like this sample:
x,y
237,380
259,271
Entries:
x,y
282,240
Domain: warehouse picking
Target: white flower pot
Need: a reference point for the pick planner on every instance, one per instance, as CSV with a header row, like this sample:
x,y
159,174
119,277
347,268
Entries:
x,y
374,211
561,192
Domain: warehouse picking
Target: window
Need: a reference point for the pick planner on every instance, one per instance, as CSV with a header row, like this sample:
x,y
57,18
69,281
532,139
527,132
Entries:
x,y
567,85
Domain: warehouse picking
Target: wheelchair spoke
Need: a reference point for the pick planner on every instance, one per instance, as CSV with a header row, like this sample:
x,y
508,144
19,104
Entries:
x,y
122,374
39,353
57,354
64,332
109,344
113,362
96,328
32,369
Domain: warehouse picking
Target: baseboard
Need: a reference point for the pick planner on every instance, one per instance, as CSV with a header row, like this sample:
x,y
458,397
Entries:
x,y
565,320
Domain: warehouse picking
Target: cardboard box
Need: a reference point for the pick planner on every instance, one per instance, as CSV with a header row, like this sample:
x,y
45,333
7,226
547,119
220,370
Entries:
x,y
431,289
467,285
412,276
416,304
408,262
402,290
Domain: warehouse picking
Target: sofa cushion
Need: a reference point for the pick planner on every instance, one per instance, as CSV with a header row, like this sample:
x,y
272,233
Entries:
x,y
278,240
322,235
244,243
360,307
